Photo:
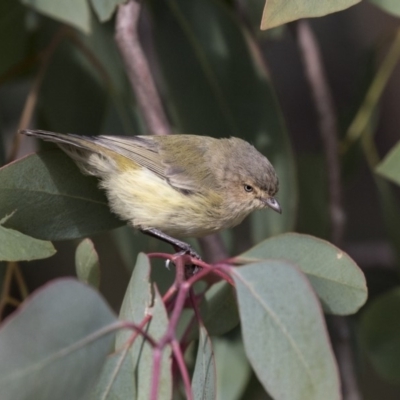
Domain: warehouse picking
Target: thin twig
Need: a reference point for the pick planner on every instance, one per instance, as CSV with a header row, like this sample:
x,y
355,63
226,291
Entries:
x,y
6,288
23,288
30,103
329,133
176,349
169,336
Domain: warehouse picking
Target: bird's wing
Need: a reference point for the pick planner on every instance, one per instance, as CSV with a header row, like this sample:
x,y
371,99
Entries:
x,y
139,149
163,156
170,158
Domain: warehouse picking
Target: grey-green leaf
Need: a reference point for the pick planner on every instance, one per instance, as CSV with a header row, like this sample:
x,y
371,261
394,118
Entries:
x,y
56,344
105,8
232,366
380,334
284,332
52,200
73,12
204,375
15,246
389,167
123,385
221,312
87,263
13,35
335,277
390,6
278,12
141,300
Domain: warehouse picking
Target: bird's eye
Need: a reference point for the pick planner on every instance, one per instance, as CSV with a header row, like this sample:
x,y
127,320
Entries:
x,y
248,188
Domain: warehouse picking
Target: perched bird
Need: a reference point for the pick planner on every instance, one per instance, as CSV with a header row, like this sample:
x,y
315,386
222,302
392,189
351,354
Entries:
x,y
175,185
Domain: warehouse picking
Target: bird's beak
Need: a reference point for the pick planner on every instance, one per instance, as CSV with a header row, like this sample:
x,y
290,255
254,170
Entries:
x,y
272,203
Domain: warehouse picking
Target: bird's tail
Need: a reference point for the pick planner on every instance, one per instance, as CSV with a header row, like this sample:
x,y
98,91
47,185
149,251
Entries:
x,y
91,158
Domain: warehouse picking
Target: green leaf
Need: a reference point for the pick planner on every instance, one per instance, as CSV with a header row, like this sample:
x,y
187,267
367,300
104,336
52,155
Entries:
x,y
130,242
216,86
73,12
218,310
335,277
390,6
380,334
233,369
15,246
56,344
123,385
52,200
87,263
139,301
313,212
390,212
221,312
389,167
121,114
204,378
13,35
284,332
278,12
2,146
79,104
105,8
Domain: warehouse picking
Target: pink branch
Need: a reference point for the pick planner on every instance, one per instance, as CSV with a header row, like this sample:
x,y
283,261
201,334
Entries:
x,y
137,68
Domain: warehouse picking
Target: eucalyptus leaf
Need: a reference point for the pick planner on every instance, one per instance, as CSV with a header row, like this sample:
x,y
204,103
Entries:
x,y
221,313
105,8
80,102
284,332
13,35
87,263
335,277
15,246
389,167
123,385
278,12
56,344
380,334
390,6
390,212
73,12
232,366
313,217
120,112
204,377
52,200
140,301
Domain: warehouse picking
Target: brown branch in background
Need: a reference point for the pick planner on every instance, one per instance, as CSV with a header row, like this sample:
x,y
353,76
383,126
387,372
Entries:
x,y
344,355
137,68
327,123
127,38
213,248
30,103
329,133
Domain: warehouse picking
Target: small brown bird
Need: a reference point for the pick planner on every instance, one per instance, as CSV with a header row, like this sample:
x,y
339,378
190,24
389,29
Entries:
x,y
175,185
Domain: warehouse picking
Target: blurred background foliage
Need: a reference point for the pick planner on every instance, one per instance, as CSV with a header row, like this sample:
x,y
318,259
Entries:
x,y
218,74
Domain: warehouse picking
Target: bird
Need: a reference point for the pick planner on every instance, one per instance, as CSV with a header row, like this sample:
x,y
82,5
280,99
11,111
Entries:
x,y
174,186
